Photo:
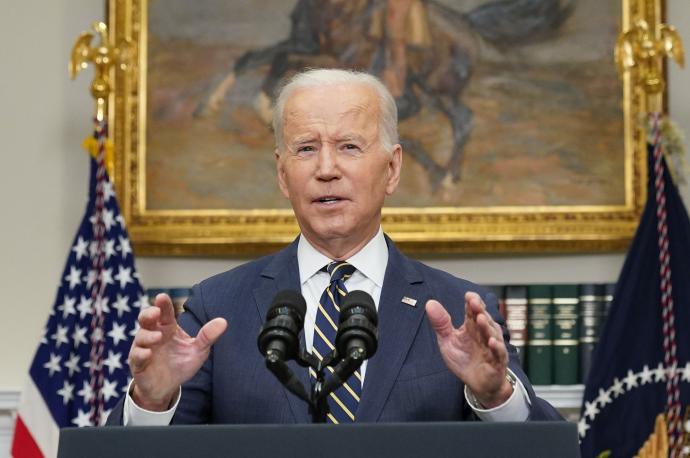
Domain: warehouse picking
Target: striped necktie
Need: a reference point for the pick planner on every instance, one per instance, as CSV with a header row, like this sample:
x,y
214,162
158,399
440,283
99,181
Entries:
x,y
342,402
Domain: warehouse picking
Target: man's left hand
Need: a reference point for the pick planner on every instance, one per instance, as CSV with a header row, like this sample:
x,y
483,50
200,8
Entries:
x,y
475,352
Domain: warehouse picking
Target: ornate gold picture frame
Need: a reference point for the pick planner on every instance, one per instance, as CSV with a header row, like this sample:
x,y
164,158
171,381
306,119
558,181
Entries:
x,y
159,227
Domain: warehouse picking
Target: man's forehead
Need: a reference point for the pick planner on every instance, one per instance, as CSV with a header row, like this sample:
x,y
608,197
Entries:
x,y
340,100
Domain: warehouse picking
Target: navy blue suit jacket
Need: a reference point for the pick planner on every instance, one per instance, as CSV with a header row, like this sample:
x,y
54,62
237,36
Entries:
x,y
406,380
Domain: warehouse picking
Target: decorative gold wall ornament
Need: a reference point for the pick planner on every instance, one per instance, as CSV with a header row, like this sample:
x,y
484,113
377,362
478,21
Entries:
x,y
536,228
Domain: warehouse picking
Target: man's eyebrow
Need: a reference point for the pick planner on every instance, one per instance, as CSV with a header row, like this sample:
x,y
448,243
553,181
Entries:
x,y
302,139
349,137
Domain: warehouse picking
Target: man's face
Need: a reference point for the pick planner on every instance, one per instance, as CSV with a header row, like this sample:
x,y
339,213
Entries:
x,y
332,166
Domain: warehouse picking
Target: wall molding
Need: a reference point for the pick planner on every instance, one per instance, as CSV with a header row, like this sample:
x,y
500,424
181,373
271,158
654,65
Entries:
x,y
9,399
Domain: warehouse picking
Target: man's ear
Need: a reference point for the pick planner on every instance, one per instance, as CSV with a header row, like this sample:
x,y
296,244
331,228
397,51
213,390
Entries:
x,y
394,166
280,172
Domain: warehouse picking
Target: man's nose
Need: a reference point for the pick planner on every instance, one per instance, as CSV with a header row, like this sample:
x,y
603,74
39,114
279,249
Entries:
x,y
327,166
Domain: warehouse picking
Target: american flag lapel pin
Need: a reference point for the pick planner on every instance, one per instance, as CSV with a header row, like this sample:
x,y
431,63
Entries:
x,y
409,301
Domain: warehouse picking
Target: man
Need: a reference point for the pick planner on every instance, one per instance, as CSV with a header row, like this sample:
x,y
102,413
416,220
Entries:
x,y
337,158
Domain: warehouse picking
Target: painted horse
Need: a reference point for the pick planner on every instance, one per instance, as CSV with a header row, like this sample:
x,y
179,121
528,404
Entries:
x,y
423,50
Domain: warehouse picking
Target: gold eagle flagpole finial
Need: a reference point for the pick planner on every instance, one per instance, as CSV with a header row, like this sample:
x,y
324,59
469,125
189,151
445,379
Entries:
x,y
641,50
103,56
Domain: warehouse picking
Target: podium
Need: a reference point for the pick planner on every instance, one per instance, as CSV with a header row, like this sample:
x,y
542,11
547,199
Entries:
x,y
381,440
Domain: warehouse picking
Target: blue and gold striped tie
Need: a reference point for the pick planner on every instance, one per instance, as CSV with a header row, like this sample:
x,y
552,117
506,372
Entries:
x,y
342,402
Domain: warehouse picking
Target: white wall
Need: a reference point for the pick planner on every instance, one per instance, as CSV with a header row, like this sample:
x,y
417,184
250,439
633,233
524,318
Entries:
x,y
43,180
43,118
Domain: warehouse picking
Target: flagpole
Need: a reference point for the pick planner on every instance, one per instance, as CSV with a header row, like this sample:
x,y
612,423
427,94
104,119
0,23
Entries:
x,y
639,54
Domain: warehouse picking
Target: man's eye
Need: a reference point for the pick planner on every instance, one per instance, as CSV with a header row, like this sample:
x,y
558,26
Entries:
x,y
305,149
351,146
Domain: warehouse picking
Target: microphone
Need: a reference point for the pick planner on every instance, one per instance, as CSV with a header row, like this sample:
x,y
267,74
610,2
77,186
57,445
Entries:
x,y
357,334
355,341
279,337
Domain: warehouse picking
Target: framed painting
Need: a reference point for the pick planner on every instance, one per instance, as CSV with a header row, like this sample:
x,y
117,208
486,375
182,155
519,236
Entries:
x,y
518,134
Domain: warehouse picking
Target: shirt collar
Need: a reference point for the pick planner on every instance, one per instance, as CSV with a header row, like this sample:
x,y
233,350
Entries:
x,y
371,260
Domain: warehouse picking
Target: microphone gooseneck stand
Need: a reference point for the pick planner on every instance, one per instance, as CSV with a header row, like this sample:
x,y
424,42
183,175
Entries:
x,y
356,341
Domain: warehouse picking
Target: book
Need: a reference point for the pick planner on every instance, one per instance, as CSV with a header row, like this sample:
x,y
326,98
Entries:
x,y
516,318
566,334
540,334
609,289
592,314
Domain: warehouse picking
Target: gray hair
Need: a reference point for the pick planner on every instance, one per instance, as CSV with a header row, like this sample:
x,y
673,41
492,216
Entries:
x,y
320,77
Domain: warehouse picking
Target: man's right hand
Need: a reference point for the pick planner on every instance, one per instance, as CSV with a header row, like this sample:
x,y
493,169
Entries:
x,y
163,356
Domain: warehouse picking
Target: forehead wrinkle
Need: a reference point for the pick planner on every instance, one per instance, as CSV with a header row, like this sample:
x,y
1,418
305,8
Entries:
x,y
314,124
360,112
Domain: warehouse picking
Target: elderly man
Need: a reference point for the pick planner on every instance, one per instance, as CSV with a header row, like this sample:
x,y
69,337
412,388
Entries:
x,y
337,158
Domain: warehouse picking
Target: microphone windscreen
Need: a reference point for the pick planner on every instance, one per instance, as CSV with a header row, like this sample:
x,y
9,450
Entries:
x,y
360,299
292,299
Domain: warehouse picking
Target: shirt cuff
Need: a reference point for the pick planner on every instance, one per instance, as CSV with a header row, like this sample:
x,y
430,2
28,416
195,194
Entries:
x,y
516,408
133,415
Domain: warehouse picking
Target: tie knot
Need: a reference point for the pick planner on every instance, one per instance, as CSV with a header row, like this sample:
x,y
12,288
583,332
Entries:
x,y
339,270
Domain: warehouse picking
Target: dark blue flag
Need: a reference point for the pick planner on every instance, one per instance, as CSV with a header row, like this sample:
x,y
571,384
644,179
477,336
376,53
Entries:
x,y
633,369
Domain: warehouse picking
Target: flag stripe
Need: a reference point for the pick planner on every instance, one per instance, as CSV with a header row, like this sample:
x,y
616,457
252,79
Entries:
x,y
38,421
24,445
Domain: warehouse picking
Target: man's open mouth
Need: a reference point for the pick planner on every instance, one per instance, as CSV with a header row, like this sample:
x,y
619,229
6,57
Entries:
x,y
329,199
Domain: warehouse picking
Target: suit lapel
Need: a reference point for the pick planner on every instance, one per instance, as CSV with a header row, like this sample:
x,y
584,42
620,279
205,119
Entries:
x,y
398,324
283,273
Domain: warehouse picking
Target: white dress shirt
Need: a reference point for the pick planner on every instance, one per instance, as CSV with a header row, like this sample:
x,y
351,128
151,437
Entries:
x,y
370,262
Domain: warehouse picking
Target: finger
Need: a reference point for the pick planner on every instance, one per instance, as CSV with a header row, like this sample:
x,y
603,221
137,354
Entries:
x,y
474,305
139,358
498,349
473,308
498,335
164,303
145,338
210,332
148,318
439,319
486,329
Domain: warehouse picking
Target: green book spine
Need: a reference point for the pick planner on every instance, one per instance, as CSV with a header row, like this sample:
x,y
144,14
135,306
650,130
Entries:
x,y
566,334
516,318
540,334
592,310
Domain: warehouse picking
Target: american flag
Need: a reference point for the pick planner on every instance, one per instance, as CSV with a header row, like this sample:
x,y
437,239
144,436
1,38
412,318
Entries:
x,y
80,368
